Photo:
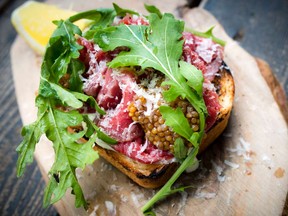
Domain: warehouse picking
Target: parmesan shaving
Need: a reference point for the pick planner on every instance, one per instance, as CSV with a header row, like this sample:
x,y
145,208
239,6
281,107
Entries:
x,y
184,197
114,187
219,170
135,198
201,194
152,96
144,147
242,149
206,49
231,164
110,208
267,161
123,198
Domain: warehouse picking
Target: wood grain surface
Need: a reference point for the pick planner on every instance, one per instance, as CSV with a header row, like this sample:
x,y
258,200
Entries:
x,y
24,196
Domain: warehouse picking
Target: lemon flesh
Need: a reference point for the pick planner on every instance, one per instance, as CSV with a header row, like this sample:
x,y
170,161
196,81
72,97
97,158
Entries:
x,y
33,21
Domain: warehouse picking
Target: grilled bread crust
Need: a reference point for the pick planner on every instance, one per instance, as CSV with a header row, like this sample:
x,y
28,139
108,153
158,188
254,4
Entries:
x,y
156,175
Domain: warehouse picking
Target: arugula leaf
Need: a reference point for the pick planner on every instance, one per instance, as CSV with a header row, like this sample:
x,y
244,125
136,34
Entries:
x,y
207,34
153,9
172,93
150,52
61,49
49,89
100,134
26,148
193,75
180,150
91,100
68,155
106,18
75,69
122,12
97,16
60,65
66,31
61,58
176,120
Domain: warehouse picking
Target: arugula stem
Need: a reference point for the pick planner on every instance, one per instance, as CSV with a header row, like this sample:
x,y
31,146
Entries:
x,y
207,34
84,15
166,189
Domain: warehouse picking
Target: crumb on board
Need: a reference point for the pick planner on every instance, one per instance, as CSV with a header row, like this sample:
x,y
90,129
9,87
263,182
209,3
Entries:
x,y
279,173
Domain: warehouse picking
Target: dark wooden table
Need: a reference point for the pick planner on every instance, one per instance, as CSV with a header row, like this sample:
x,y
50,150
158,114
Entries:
x,y
260,26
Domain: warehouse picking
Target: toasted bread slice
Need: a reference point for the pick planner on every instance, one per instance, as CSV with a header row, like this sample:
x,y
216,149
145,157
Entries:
x,y
156,175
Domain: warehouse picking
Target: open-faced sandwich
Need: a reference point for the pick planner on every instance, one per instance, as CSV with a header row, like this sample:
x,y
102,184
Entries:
x,y
144,92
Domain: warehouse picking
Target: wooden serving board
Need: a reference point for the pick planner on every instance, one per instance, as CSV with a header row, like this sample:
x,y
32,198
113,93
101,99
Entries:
x,y
243,173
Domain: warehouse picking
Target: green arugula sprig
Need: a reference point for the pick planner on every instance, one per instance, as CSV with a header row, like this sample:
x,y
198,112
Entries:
x,y
207,34
61,58
121,12
153,9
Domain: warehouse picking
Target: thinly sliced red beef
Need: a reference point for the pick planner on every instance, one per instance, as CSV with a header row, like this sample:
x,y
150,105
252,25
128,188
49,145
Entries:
x,y
213,107
207,56
93,85
130,19
88,48
144,152
110,93
203,53
117,123
93,57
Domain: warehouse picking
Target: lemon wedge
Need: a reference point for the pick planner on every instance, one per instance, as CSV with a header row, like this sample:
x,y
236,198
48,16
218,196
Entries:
x,y
33,21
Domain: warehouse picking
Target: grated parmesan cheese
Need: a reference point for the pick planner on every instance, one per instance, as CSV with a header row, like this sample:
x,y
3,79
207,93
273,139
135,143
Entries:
x,y
144,147
184,198
136,198
200,194
231,164
267,161
219,170
242,149
152,96
111,208
206,49
114,177
123,198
